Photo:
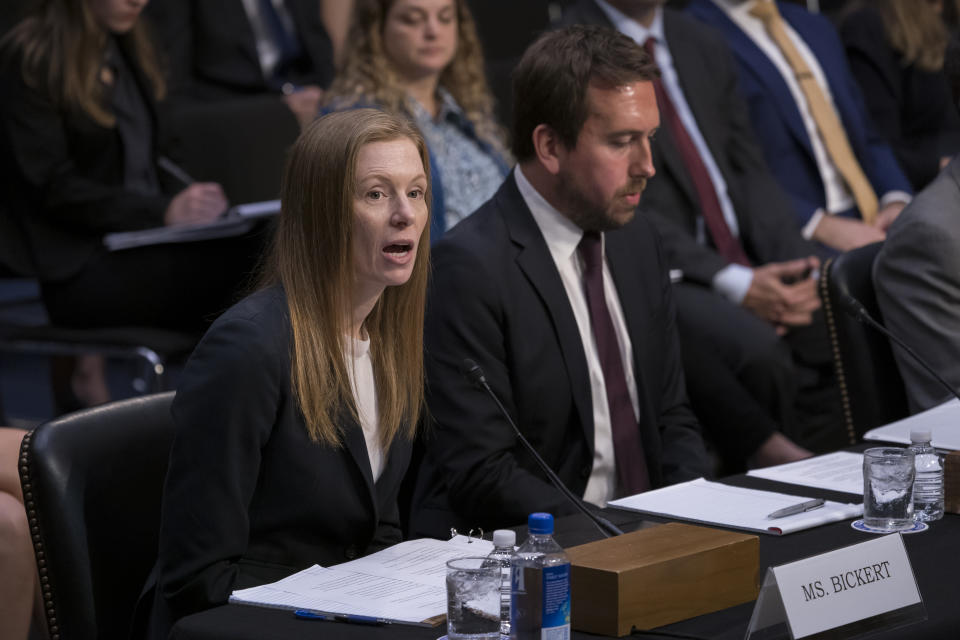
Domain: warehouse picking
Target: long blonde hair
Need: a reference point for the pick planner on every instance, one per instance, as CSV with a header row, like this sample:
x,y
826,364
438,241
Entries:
x,y
61,48
916,31
312,258
368,78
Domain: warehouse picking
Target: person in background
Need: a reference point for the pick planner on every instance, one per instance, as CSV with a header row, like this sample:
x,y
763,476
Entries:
x,y
223,49
18,588
917,276
896,49
295,414
840,174
79,85
422,58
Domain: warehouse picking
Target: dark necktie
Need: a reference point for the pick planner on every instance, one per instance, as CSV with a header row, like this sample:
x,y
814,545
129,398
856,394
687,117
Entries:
x,y
286,42
727,245
628,450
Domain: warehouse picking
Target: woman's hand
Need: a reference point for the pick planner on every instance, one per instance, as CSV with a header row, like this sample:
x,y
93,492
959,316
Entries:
x,y
200,202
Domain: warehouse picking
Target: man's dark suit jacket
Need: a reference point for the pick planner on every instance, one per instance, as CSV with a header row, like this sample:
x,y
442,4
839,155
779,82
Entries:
x,y
777,121
249,498
212,52
496,297
64,174
708,77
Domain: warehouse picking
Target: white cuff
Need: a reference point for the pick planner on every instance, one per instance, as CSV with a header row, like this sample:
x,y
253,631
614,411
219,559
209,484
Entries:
x,y
733,282
812,223
895,196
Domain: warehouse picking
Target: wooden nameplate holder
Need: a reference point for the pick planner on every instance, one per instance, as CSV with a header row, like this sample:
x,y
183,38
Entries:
x,y
663,574
951,482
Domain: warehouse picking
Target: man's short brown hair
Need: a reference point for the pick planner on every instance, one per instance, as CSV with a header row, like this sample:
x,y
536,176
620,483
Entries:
x,y
550,83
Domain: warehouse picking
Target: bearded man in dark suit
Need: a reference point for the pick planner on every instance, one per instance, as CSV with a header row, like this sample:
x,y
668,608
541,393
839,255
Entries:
x,y
561,294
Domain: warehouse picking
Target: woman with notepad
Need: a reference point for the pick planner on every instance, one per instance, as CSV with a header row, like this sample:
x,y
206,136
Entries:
x,y
295,413
80,86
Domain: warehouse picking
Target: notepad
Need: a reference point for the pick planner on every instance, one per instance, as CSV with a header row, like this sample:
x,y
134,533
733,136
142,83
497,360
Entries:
x,y
736,507
236,221
405,583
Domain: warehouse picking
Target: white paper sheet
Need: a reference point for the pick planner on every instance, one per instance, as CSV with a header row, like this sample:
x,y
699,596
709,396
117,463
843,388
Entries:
x,y
720,504
838,471
943,421
403,583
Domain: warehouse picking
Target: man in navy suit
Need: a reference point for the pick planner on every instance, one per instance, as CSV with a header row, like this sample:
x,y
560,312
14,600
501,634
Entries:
x,y
562,296
798,148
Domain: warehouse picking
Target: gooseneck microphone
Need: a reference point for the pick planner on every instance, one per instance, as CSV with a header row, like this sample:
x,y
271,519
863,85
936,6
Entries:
x,y
854,308
472,371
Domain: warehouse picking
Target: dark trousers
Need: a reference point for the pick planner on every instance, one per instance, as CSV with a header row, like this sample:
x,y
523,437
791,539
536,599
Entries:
x,y
181,287
745,381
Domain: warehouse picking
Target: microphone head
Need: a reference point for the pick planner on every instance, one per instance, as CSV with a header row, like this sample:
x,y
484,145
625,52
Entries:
x,y
472,371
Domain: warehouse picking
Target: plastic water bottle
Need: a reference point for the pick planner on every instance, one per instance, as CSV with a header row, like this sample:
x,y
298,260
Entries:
x,y
928,484
502,555
540,597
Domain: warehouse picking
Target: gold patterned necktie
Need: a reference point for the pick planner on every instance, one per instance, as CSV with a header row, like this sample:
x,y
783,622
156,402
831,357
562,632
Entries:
x,y
824,115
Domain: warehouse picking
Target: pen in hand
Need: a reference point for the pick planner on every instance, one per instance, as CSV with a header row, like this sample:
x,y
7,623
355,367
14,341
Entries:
x,y
794,509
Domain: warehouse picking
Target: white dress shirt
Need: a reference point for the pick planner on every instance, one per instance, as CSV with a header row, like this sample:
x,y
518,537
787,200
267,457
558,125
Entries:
x,y
734,280
838,196
365,395
267,50
562,237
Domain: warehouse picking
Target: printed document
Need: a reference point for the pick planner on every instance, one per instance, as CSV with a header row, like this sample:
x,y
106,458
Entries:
x,y
838,471
721,504
403,583
943,421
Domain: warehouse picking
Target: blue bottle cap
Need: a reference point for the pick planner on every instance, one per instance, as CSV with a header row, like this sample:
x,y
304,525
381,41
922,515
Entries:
x,y
540,523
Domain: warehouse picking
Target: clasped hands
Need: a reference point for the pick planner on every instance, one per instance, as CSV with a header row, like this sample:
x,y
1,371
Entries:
x,y
785,293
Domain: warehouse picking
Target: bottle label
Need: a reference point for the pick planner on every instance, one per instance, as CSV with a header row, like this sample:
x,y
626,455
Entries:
x,y
556,603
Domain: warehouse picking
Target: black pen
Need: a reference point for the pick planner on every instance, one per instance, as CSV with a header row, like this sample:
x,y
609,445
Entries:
x,y
174,170
797,508
306,614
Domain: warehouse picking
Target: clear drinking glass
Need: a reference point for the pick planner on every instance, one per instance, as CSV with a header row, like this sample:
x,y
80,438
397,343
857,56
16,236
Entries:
x,y
473,599
888,474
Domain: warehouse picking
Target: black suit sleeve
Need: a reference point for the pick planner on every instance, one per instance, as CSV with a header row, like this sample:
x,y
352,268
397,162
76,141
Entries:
x,y
682,455
225,410
40,144
470,442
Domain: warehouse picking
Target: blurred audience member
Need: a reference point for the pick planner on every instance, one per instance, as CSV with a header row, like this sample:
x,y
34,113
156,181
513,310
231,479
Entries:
x,y
895,49
336,16
423,58
78,129
18,588
842,177
219,49
917,276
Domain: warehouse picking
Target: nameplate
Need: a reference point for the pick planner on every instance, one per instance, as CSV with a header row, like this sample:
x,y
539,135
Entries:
x,y
848,591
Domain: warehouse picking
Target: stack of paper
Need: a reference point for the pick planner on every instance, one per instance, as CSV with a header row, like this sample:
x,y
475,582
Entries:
x,y
943,421
839,471
720,504
404,583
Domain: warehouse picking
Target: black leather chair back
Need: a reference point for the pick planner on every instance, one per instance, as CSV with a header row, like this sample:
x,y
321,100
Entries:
x,y
92,483
871,388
